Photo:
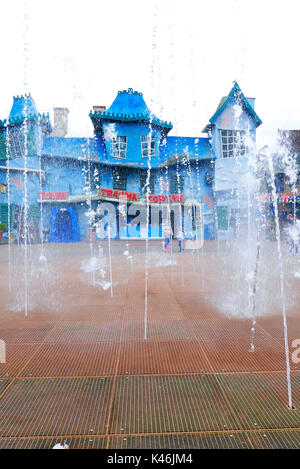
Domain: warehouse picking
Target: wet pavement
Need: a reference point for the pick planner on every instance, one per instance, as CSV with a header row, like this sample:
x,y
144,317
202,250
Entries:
x,y
78,368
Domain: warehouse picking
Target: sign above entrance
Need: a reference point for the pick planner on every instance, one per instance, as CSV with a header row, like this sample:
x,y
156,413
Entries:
x,y
54,195
134,196
281,198
159,198
114,194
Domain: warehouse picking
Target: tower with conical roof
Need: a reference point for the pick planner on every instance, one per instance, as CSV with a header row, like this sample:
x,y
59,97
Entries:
x,y
125,128
23,118
232,129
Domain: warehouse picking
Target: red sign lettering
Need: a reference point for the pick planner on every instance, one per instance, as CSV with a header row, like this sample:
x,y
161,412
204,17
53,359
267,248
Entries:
x,y
156,198
163,198
54,195
114,194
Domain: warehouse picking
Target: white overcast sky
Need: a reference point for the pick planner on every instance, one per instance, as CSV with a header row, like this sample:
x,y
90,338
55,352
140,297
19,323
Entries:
x,y
183,55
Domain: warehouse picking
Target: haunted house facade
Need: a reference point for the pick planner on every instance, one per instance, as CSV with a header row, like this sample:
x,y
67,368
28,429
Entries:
x,y
130,160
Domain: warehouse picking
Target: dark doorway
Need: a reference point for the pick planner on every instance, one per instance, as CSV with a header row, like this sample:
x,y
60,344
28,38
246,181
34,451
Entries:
x,y
176,220
63,225
172,223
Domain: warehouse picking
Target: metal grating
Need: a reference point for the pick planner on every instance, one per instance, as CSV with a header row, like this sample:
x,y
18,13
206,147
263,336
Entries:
x,y
82,372
55,407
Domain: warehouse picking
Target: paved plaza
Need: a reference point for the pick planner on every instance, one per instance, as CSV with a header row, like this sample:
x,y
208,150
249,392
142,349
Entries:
x,y
79,370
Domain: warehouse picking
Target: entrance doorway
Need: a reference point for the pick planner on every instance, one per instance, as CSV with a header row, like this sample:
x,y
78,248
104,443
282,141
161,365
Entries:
x,y
64,225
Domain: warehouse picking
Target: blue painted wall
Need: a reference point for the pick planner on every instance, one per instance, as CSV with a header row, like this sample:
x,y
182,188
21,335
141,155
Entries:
x,y
234,179
229,171
133,132
64,160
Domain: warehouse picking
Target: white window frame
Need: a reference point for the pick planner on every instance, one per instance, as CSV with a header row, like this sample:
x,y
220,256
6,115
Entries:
x,y
146,143
119,147
233,143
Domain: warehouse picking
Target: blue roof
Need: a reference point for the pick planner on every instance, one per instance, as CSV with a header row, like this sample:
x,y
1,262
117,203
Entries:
x,y
236,93
24,107
194,147
130,105
129,102
70,147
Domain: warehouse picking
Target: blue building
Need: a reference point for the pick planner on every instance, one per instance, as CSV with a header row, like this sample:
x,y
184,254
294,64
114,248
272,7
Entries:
x,y
131,163
232,132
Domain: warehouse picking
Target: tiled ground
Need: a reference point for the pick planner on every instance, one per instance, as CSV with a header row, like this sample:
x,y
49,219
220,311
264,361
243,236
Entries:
x,y
78,368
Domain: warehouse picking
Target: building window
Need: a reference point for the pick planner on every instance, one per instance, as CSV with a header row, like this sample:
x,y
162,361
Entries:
x,y
119,178
233,143
148,145
119,147
143,175
16,143
176,184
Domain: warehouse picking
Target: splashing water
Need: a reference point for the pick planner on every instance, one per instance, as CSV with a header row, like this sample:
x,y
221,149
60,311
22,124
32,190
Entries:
x,y
282,290
25,126
8,204
110,266
61,446
147,185
93,264
42,257
254,296
89,204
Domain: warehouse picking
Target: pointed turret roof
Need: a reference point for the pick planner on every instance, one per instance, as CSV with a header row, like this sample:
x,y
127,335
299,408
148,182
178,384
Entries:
x,y
236,94
129,106
24,108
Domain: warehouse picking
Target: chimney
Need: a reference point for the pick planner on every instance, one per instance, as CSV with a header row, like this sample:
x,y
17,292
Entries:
x,y
99,108
60,128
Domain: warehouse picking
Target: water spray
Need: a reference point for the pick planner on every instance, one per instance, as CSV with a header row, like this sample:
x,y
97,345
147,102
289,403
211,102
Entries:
x,y
254,313
8,204
282,290
110,266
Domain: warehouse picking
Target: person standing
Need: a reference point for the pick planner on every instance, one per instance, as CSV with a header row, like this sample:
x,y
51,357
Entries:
x,y
180,237
167,233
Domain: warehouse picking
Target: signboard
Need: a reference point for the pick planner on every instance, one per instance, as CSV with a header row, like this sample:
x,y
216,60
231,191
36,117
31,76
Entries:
x,y
54,195
3,188
114,194
281,198
158,198
134,196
